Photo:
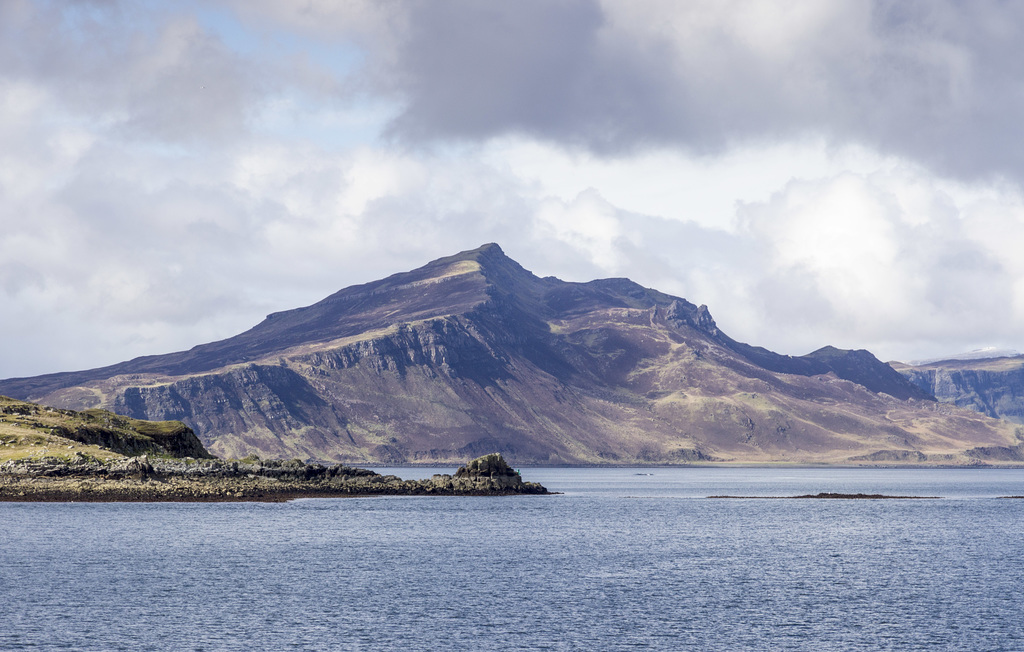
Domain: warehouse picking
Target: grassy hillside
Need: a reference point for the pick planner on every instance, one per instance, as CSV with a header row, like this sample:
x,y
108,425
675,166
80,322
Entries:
x,y
28,430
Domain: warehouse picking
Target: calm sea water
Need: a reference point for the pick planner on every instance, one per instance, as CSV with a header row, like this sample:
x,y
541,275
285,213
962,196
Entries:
x,y
619,561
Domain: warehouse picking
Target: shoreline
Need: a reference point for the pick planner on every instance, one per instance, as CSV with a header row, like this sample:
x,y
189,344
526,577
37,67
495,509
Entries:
x,y
726,465
139,479
35,493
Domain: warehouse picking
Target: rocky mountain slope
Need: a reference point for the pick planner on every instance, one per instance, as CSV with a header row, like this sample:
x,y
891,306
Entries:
x,y
992,386
472,354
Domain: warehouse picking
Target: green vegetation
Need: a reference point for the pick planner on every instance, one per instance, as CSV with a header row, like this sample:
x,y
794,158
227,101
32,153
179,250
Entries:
x,y
28,430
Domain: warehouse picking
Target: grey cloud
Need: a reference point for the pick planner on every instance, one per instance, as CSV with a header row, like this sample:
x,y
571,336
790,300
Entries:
x,y
472,70
947,86
149,75
969,287
940,82
115,248
16,277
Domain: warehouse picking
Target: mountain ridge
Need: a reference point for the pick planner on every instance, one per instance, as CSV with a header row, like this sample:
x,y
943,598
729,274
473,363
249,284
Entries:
x,y
315,323
471,353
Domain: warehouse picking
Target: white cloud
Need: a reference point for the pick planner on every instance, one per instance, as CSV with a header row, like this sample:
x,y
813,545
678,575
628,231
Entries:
x,y
145,251
588,224
161,187
703,190
889,261
840,233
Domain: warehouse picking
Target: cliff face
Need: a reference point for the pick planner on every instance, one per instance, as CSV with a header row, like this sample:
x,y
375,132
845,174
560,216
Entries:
x,y
473,354
994,386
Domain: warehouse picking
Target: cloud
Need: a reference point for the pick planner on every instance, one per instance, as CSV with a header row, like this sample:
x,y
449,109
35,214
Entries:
x,y
934,82
937,82
886,259
137,75
893,261
111,250
133,252
170,173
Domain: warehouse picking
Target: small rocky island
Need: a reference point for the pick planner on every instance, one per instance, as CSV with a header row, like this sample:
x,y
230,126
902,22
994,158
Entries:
x,y
62,455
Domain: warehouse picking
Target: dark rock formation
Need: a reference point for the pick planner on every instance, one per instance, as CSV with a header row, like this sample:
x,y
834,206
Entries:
x,y
891,456
144,479
836,496
826,495
489,472
173,438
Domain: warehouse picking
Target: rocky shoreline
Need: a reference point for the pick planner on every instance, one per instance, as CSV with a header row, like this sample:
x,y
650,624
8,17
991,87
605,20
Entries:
x,y
142,479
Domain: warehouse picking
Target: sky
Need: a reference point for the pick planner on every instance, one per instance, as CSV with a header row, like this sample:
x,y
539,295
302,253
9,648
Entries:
x,y
843,173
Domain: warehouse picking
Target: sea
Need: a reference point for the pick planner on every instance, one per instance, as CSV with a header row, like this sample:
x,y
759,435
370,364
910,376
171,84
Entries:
x,y
621,559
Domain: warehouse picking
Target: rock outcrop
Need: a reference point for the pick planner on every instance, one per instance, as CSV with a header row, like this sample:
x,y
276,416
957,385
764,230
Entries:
x,y
145,479
892,455
487,473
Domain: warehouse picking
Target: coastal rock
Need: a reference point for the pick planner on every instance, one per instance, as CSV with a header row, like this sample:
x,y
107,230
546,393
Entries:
x,y
137,468
145,479
488,473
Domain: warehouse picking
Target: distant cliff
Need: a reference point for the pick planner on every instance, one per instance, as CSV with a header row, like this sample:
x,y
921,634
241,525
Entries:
x,y
992,386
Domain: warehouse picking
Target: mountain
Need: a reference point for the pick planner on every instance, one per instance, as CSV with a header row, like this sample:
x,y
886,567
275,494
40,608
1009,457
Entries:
x,y
992,386
472,354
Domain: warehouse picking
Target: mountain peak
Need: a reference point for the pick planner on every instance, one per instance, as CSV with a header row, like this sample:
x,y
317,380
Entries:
x,y
489,249
487,252
863,367
829,352
499,271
